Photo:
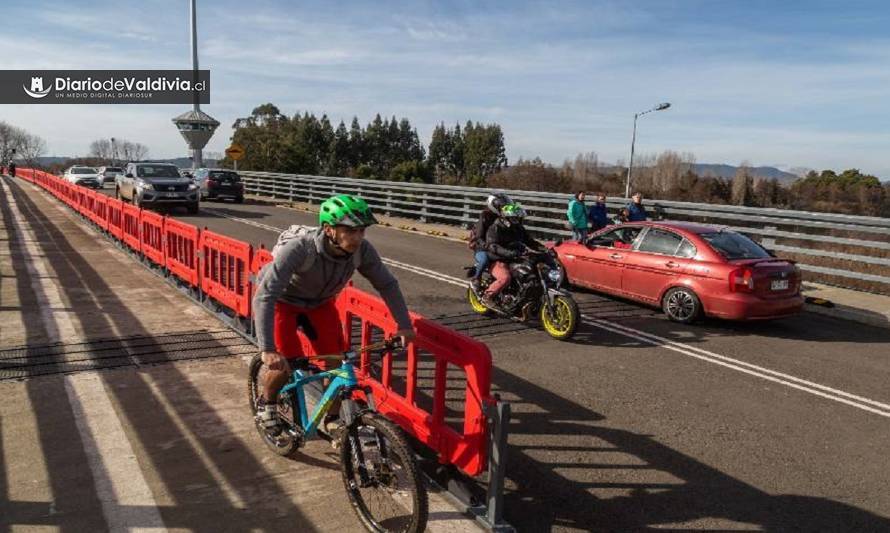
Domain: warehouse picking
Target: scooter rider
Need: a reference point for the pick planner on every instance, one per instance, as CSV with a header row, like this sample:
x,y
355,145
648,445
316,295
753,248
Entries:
x,y
505,241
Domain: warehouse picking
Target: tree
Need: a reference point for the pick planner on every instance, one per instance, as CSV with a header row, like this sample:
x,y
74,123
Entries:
x,y
531,175
742,185
31,148
484,152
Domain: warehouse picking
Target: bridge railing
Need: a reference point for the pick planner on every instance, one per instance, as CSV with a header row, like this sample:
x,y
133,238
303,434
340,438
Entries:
x,y
844,250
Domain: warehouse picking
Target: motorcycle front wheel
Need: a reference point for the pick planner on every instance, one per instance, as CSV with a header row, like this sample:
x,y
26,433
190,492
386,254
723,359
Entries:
x,y
561,319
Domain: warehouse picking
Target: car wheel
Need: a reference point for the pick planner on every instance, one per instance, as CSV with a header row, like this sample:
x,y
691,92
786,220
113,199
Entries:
x,y
136,202
117,193
239,200
681,305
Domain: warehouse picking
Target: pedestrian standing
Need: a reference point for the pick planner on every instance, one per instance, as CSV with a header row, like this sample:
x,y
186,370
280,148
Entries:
x,y
635,210
598,214
577,215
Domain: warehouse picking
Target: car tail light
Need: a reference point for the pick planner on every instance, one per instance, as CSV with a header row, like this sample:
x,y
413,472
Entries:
x,y
741,280
211,183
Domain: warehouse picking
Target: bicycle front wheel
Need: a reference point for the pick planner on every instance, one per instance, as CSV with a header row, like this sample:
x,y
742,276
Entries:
x,y
381,476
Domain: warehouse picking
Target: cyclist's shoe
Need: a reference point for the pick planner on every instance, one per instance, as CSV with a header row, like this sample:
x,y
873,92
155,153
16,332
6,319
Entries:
x,y
268,414
335,428
488,301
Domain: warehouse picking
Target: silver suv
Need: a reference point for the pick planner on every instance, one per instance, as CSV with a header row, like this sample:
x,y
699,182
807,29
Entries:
x,y
156,184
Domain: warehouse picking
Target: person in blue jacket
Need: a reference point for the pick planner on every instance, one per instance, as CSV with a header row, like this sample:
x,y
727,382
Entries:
x,y
635,210
597,213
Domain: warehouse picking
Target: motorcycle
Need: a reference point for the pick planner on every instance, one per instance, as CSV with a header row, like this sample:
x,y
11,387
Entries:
x,y
534,288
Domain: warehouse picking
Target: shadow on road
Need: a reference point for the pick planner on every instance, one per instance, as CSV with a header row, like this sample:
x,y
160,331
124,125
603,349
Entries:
x,y
561,453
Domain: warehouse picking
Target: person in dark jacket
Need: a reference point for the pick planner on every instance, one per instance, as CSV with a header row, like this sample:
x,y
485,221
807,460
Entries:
x,y
487,216
635,210
505,241
598,213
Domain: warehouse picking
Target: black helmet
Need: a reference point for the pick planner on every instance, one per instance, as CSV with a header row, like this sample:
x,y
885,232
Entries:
x,y
497,201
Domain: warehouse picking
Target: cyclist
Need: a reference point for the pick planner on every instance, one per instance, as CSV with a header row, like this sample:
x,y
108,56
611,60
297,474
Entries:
x,y
298,288
487,216
505,241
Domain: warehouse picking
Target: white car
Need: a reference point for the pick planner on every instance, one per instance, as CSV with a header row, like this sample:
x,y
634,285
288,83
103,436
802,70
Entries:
x,y
106,175
85,176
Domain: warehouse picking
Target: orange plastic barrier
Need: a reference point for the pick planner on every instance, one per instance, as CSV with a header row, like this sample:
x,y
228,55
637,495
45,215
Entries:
x,y
130,227
225,264
152,236
115,218
181,250
461,442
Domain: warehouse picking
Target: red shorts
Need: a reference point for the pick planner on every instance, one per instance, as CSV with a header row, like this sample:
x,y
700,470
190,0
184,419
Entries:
x,y
298,328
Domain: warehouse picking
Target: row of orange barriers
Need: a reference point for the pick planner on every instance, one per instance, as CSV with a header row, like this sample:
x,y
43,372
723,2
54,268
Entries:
x,y
221,269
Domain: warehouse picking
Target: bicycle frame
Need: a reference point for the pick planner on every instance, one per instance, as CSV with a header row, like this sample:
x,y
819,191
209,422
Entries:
x,y
341,378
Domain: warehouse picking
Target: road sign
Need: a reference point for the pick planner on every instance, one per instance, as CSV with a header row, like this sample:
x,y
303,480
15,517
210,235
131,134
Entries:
x,y
235,152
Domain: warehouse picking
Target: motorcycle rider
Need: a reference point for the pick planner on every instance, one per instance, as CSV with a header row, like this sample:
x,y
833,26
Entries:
x,y
487,216
505,241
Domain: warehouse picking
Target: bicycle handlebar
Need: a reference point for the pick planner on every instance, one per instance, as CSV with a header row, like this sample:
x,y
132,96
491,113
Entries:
x,y
386,345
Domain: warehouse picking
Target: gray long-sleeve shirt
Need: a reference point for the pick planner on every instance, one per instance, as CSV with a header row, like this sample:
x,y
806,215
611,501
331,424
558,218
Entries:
x,y
281,280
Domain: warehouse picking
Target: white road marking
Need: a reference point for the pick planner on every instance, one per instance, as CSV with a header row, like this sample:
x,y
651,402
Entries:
x,y
859,402
116,473
127,502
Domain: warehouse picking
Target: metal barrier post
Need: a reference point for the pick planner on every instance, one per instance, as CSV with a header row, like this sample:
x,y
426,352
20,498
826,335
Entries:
x,y
423,211
290,191
498,418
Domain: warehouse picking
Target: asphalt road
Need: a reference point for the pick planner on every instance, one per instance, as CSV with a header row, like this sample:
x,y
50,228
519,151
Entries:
x,y
640,423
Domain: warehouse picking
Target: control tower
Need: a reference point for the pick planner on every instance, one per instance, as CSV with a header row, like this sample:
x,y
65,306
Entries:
x,y
196,126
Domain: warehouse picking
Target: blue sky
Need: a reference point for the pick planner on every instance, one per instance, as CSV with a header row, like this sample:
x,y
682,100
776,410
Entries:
x,y
790,84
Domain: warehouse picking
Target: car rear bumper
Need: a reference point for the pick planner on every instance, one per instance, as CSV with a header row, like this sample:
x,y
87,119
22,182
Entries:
x,y
741,306
220,192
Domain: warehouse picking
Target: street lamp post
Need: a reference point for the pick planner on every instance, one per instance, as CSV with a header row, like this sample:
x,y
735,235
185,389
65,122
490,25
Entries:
x,y
659,107
113,154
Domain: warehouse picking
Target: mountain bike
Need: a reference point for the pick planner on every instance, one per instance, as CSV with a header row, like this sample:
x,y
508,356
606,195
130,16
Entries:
x,y
379,470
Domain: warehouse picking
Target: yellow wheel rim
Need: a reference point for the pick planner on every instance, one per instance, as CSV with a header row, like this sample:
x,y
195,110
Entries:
x,y
558,323
475,304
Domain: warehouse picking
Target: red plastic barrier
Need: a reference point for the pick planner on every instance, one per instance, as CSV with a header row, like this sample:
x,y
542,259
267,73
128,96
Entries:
x,y
182,250
101,210
130,226
465,449
225,264
152,236
115,218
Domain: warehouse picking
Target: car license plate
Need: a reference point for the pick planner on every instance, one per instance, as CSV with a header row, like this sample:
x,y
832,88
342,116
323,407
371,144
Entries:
x,y
779,285
170,194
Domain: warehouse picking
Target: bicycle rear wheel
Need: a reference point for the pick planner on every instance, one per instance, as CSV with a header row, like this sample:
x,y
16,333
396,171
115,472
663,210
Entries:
x,y
381,476
284,444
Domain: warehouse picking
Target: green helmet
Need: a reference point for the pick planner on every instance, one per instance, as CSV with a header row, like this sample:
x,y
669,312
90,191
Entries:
x,y
512,211
345,210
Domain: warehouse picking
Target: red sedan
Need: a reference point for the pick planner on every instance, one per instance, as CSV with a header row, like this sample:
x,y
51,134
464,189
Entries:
x,y
687,269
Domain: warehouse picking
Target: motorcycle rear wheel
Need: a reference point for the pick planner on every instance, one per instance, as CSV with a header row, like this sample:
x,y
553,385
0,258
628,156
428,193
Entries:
x,y
475,304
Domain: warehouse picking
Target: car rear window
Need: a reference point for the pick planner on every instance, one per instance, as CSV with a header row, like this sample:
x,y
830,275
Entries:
x,y
113,169
159,171
83,170
231,176
732,245
660,242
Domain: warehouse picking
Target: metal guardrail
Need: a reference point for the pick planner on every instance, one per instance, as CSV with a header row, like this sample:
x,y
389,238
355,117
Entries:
x,y
861,243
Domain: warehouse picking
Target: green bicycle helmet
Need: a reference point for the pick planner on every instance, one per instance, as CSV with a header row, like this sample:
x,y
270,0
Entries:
x,y
346,210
